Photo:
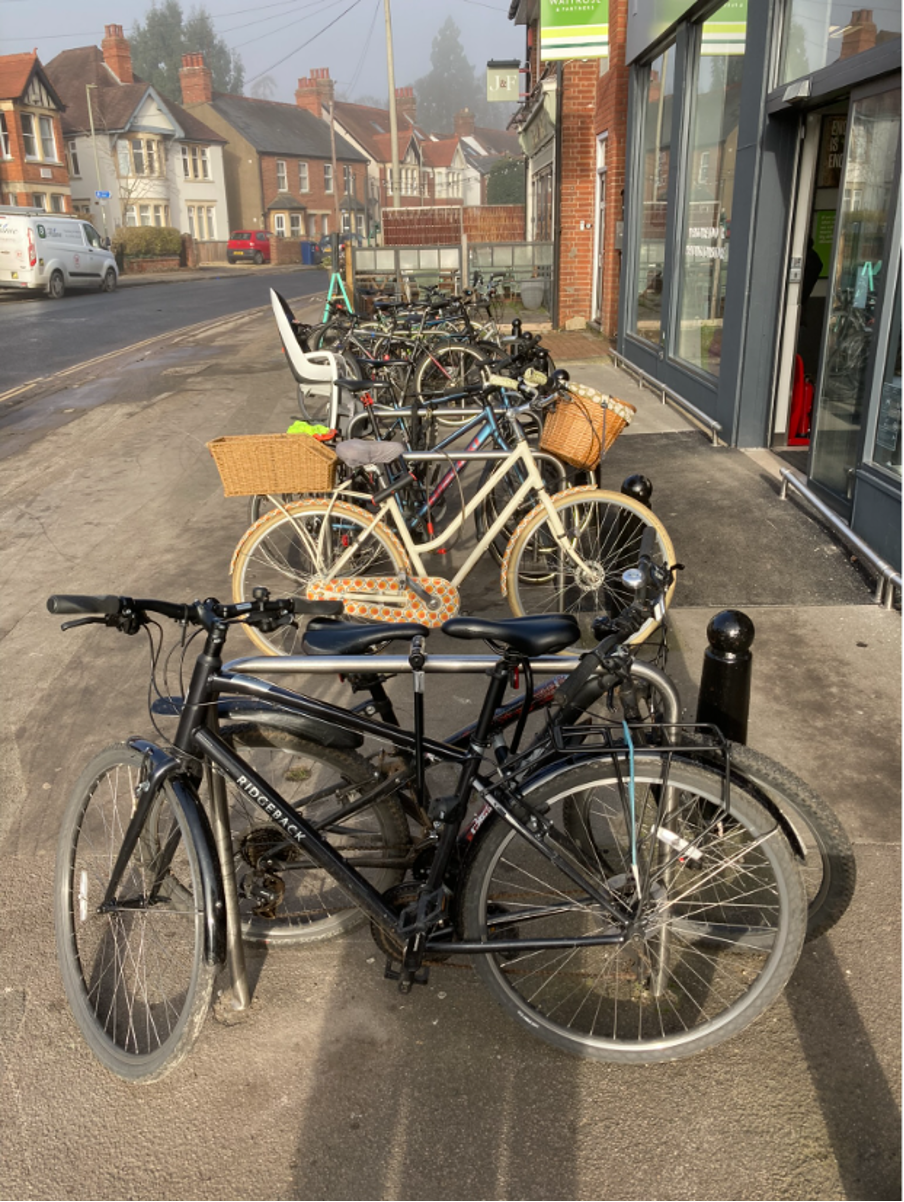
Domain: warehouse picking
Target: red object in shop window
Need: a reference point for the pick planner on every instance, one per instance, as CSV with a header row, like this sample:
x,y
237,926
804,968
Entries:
x,y
801,407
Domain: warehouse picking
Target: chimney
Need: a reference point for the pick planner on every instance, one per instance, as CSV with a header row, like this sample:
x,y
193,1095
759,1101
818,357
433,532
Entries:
x,y
406,105
316,93
860,35
117,54
464,124
195,80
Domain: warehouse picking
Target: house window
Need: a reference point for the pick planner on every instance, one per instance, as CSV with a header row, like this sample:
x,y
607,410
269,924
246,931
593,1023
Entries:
x,y
346,223
194,162
186,163
159,215
4,137
359,223
56,203
144,213
326,224
48,141
281,180
131,218
279,225
211,230
73,159
28,136
138,157
312,226
122,154
40,201
151,148
191,220
349,179
295,225
303,177
327,177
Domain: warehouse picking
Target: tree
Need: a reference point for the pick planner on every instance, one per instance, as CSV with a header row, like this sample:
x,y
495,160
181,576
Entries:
x,y
264,88
158,46
449,86
506,182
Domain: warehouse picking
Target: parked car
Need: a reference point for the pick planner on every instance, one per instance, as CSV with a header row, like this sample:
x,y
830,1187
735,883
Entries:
x,y
248,244
52,251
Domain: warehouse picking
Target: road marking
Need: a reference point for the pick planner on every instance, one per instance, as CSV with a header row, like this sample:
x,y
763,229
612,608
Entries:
x,y
178,335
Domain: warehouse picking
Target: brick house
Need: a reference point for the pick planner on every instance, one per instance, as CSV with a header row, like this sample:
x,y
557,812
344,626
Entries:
x,y
573,128
278,161
161,165
33,168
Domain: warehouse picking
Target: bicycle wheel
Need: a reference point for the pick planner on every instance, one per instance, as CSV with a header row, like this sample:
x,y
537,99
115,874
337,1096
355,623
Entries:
x,y
285,552
716,905
829,868
284,898
583,576
496,500
136,978
447,369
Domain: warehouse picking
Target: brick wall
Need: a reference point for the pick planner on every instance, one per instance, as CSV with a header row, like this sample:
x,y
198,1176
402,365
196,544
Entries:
x,y
442,225
612,118
141,266
576,190
20,178
285,250
316,199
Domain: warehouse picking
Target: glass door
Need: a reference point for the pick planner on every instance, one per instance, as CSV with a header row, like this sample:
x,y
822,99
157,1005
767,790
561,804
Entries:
x,y
865,215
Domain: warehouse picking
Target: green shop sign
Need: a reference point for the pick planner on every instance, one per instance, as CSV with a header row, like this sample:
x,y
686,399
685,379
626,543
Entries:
x,y
726,33
574,29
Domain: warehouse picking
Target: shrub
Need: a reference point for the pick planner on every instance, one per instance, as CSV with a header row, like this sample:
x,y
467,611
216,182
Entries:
x,y
147,241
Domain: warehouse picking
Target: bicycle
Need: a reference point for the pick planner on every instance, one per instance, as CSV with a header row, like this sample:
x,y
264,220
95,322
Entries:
x,y
630,905
566,555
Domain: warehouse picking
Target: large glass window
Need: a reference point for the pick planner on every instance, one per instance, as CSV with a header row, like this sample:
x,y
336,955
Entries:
x,y
887,442
654,180
709,191
866,210
820,32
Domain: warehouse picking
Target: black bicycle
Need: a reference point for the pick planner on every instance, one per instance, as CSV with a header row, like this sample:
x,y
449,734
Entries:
x,y
621,899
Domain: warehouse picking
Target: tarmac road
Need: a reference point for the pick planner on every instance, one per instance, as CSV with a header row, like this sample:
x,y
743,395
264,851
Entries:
x,y
336,1086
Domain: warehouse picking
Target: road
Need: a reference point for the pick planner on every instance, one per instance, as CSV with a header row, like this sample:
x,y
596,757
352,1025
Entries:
x,y
50,336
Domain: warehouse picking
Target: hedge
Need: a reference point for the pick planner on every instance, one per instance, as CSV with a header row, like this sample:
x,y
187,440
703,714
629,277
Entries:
x,y
147,241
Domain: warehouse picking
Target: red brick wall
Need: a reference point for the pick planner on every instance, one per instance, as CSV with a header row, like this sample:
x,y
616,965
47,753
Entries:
x,y
16,170
140,266
612,118
576,189
316,199
433,225
285,250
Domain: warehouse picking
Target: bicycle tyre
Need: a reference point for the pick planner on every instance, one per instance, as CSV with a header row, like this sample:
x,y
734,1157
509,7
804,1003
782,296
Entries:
x,y
285,552
606,529
304,904
829,866
498,497
139,990
717,940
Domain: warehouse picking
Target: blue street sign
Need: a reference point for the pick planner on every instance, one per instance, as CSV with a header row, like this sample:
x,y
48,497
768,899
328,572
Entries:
x,y
102,195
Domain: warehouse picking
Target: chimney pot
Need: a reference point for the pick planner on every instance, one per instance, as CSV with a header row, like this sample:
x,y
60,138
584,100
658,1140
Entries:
x,y
195,80
117,54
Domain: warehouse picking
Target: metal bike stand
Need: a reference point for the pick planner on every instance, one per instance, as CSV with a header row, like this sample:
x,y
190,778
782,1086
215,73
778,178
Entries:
x,y
234,1003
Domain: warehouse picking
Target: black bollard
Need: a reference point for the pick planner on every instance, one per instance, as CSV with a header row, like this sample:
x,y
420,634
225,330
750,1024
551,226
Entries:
x,y
640,488
516,327
724,699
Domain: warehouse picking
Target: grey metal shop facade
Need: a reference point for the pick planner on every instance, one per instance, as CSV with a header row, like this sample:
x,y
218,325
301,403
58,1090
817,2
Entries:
x,y
760,278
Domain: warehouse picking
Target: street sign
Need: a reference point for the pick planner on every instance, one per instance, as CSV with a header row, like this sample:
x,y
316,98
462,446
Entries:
x,y
503,79
103,195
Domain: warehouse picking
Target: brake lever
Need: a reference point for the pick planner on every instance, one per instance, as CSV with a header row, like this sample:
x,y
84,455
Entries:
x,y
83,622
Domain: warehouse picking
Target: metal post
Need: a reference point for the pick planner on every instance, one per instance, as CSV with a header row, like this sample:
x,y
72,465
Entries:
x,y
393,119
337,214
724,699
103,209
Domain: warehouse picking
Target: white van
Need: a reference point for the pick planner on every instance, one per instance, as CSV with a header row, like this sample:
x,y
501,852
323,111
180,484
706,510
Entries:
x,y
52,251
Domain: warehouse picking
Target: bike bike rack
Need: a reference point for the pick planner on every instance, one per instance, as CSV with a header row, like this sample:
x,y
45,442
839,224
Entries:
x,y
887,578
648,381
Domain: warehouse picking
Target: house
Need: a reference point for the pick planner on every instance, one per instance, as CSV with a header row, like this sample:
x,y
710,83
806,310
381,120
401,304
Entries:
x,y
279,161
33,169
160,164
482,149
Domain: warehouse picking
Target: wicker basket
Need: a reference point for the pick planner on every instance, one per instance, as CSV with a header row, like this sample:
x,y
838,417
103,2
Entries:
x,y
252,464
583,424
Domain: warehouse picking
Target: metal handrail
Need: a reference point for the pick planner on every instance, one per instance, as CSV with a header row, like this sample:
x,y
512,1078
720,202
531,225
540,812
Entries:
x,y
643,377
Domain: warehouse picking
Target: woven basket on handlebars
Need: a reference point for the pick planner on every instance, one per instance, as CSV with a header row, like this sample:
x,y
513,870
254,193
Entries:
x,y
252,464
583,424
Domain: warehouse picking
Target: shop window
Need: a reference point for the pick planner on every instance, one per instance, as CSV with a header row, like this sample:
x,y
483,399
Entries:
x,y
818,34
702,267
653,186
887,441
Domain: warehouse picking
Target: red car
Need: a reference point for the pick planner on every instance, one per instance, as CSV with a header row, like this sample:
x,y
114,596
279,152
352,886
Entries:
x,y
248,244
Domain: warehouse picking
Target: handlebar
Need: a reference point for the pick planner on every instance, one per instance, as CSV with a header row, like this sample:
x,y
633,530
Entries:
x,y
129,615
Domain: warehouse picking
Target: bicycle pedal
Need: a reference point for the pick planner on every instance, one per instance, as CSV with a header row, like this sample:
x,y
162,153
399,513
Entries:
x,y
406,977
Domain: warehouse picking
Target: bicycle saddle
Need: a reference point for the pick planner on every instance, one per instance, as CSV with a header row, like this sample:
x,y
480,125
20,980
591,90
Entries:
x,y
530,636
331,636
357,452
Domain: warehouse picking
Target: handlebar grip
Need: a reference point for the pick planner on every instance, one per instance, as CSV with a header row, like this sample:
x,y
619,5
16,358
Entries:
x,y
65,603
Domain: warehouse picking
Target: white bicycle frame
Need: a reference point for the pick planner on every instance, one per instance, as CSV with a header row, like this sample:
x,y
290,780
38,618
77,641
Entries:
x,y
533,483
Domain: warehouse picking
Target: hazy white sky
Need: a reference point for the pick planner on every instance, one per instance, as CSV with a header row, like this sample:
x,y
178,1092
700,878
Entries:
x,y
353,48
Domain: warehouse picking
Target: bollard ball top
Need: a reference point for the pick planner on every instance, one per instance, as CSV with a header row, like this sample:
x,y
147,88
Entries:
x,y
730,633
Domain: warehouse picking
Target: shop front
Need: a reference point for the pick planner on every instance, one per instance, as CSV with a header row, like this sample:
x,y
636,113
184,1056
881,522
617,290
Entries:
x,y
760,279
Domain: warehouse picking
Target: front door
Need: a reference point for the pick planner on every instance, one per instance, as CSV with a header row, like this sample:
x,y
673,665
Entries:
x,y
856,287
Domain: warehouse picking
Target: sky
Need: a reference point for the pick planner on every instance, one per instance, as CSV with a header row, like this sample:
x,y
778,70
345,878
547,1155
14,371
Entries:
x,y
269,35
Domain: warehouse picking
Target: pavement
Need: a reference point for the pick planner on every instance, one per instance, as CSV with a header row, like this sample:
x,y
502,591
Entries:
x,y
336,1086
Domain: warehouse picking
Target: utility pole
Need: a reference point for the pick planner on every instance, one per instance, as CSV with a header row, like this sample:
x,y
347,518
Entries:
x,y
103,207
393,121
335,176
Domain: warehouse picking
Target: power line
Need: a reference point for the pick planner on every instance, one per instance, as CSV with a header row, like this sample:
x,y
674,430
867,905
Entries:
x,y
319,4
291,53
357,71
